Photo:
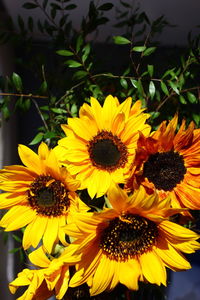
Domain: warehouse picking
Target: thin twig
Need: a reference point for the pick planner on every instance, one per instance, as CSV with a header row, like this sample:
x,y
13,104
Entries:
x,y
173,93
141,56
41,115
24,95
47,15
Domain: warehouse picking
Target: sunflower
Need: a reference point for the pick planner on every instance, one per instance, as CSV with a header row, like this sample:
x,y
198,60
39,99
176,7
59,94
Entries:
x,y
101,143
169,163
134,241
51,278
41,195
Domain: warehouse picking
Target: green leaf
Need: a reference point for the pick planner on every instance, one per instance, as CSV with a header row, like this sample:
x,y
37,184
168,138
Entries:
x,y
196,118
164,88
37,138
127,71
17,81
149,51
74,110
27,104
80,74
73,64
16,238
49,135
154,114
29,5
44,3
169,72
14,250
55,6
181,81
152,89
70,6
43,88
140,89
106,6
124,83
63,20
21,255
79,43
93,13
45,108
58,110
138,48
144,73
120,40
65,53
150,69
174,87
86,51
191,97
5,111
158,95
125,4
182,100
134,82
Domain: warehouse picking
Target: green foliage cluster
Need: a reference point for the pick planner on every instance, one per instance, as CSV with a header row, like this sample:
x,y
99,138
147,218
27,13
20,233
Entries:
x,y
74,68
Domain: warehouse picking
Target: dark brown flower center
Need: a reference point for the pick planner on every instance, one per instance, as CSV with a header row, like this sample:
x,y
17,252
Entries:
x,y
165,169
48,196
128,236
107,151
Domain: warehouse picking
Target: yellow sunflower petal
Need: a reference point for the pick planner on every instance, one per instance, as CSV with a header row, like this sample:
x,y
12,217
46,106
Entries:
x,y
81,128
153,268
187,247
51,233
8,200
37,230
29,158
43,151
172,258
103,276
83,274
178,232
99,183
97,112
129,273
62,284
118,124
39,258
125,107
61,232
17,217
118,198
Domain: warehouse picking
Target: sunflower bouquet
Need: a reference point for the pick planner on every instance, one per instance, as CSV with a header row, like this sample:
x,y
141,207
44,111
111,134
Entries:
x,y
145,178
106,204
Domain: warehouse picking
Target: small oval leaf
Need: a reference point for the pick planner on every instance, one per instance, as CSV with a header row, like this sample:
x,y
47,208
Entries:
x,y
191,97
65,53
149,51
164,88
120,40
152,89
37,138
139,48
124,83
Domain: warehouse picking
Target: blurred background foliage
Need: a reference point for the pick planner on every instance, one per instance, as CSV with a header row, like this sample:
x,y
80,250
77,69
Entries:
x,y
66,66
